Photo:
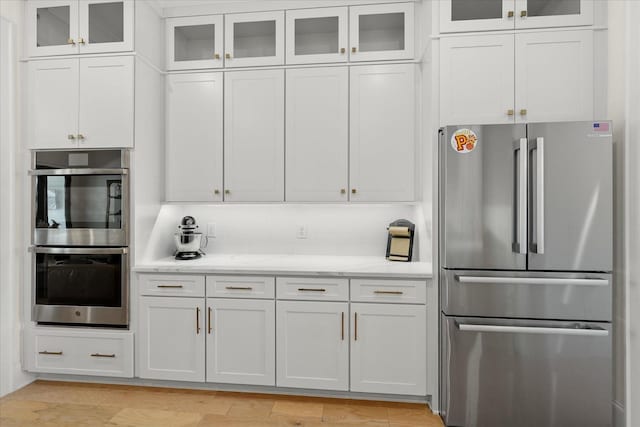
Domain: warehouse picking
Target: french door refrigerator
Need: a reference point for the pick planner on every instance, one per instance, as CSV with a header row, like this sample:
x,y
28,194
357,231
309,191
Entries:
x,y
525,275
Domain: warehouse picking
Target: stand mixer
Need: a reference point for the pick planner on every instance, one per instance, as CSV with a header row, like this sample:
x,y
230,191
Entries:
x,y
188,241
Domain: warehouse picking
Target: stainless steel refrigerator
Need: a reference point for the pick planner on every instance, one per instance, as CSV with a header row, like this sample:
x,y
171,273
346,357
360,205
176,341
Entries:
x,y
525,248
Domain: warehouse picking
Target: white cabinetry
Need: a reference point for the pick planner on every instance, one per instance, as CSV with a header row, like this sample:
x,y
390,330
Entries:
x,y
388,349
194,126
556,13
254,39
194,42
62,107
317,35
313,344
382,128
241,341
63,27
317,128
172,338
254,136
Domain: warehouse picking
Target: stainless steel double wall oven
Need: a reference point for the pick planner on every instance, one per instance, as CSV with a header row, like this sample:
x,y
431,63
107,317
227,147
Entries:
x,y
80,224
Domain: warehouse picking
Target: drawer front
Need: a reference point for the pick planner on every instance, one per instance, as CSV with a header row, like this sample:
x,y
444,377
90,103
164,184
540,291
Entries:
x,y
304,288
241,287
397,291
109,355
171,285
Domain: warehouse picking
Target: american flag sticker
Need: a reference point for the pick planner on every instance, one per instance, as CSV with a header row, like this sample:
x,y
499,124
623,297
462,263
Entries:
x,y
601,127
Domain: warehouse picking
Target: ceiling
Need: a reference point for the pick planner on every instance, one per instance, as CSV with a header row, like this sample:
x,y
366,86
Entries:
x,y
179,3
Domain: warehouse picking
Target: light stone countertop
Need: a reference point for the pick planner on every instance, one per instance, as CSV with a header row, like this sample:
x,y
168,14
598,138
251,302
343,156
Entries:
x,y
290,265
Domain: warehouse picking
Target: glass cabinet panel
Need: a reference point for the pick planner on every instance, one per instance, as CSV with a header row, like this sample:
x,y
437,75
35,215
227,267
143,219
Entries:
x,y
381,32
315,36
53,26
465,10
254,39
553,7
106,22
194,42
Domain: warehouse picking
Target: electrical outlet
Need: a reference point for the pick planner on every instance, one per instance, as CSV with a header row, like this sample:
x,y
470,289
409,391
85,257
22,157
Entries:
x,y
211,229
302,232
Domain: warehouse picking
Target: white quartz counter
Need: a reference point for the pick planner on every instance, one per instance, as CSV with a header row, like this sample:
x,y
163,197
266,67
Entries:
x,y
299,265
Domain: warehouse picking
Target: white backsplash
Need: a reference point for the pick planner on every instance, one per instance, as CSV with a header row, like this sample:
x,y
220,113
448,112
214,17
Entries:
x,y
357,229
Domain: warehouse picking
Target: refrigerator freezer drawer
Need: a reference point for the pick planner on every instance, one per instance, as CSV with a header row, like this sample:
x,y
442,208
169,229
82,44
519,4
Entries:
x,y
584,296
507,372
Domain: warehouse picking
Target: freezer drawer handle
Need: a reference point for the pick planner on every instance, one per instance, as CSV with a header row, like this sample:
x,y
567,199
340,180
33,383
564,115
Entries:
x,y
533,330
532,281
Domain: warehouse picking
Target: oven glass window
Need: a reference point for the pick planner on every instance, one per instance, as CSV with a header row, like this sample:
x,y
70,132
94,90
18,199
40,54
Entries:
x,y
79,201
91,280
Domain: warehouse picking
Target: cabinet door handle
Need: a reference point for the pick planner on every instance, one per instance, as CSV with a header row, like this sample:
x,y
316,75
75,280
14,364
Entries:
x,y
343,50
80,137
227,191
343,191
51,353
354,191
170,286
227,55
354,49
71,137
217,56
197,320
355,326
389,292
523,13
71,42
239,288
103,355
312,290
209,321
81,40
510,14
510,112
342,328
523,112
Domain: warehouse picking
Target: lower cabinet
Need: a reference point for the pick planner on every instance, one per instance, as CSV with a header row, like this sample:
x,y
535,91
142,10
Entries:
x,y
241,341
313,344
172,339
388,349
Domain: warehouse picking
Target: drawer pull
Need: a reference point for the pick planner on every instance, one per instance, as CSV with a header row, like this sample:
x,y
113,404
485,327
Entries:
x,y
239,288
103,355
312,290
170,286
51,353
389,292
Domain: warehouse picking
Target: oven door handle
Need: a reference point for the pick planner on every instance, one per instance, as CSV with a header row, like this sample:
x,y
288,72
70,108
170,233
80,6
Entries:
x,y
84,171
79,251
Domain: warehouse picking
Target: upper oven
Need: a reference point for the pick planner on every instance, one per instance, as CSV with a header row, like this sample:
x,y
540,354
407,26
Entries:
x,y
80,198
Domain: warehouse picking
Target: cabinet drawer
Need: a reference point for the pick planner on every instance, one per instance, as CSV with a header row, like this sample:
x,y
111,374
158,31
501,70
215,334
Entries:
x,y
299,288
398,291
82,353
171,285
240,287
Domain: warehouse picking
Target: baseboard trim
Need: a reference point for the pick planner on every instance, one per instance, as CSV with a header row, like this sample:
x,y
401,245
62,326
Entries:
x,y
618,414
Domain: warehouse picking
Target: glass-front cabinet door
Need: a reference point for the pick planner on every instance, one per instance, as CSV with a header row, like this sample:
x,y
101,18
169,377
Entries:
x,y
317,35
553,13
476,15
52,27
106,25
194,42
381,32
254,39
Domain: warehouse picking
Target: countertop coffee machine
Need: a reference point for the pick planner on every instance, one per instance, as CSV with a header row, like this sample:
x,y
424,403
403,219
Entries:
x,y
188,241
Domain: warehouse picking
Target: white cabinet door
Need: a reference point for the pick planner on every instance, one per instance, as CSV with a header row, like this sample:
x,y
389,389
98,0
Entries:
x,y
194,42
317,35
241,341
381,32
52,27
106,25
554,76
474,15
313,345
171,339
53,103
254,39
476,79
194,137
317,134
106,102
382,149
556,13
388,349
254,136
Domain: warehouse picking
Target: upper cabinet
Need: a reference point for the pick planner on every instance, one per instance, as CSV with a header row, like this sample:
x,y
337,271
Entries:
x,y
317,35
254,39
381,32
474,15
64,27
194,42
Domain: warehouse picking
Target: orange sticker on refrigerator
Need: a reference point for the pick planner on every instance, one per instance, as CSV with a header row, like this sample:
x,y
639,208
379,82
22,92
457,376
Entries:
x,y
464,141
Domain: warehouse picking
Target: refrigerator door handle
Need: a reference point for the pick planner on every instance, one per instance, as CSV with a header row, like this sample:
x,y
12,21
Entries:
x,y
521,222
533,330
532,281
538,246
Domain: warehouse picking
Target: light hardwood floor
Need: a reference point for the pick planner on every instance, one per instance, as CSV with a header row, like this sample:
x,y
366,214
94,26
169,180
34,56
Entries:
x,y
48,404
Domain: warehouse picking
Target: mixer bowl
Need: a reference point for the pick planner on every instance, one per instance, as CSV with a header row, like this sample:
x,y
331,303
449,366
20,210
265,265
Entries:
x,y
188,242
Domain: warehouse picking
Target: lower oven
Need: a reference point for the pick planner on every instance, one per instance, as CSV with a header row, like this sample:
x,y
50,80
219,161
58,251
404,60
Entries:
x,y
84,286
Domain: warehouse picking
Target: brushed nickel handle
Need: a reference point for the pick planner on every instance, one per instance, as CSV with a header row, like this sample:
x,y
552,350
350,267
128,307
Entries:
x,y
355,326
80,137
523,112
389,292
71,137
354,49
51,353
227,55
239,288
71,41
354,191
343,50
343,191
81,40
523,13
209,321
103,355
312,290
197,320
216,191
216,56
510,14
170,286
510,112
342,328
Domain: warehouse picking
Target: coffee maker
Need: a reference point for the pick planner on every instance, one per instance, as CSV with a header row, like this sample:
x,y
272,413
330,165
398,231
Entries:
x,y
188,241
